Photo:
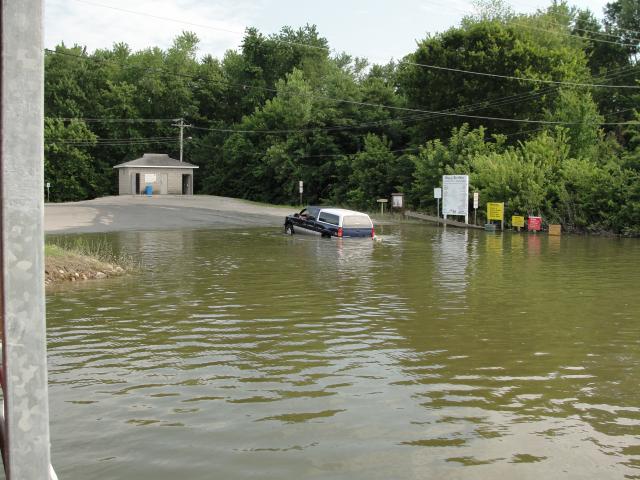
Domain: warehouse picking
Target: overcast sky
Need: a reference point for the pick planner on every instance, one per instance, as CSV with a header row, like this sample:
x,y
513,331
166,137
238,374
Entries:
x,y
376,29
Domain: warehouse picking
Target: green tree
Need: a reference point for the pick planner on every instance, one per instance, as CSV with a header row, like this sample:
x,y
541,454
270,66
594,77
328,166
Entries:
x,y
623,18
506,46
67,166
455,156
580,113
375,173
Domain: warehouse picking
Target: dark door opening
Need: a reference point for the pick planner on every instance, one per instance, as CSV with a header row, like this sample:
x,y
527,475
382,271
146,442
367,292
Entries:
x,y
137,184
186,184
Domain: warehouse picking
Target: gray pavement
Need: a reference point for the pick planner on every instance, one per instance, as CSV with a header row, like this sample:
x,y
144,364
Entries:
x,y
138,212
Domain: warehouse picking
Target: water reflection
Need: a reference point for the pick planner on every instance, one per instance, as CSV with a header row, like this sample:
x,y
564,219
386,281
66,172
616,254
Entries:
x,y
554,243
517,243
352,253
534,244
440,354
451,257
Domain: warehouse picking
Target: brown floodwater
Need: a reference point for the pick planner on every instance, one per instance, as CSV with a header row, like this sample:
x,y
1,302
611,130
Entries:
x,y
434,353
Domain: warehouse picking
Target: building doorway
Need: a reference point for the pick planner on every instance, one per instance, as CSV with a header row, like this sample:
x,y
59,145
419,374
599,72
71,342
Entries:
x,y
137,184
186,185
164,186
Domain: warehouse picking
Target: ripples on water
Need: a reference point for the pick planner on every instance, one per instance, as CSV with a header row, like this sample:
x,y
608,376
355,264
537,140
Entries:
x,y
432,354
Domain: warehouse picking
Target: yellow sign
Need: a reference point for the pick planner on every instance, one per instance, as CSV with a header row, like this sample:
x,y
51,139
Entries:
x,y
495,211
517,221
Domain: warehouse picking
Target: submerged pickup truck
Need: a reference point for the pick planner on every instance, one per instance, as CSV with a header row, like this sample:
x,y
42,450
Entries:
x,y
329,222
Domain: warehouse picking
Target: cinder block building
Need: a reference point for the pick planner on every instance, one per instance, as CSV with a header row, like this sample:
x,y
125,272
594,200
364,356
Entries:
x,y
166,175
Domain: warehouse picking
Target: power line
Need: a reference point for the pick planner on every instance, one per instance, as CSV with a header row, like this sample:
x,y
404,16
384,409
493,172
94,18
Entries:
x,y
570,17
524,79
359,151
173,138
411,63
245,86
611,42
150,140
453,114
480,105
142,140
575,27
516,98
368,104
421,65
112,120
111,141
595,32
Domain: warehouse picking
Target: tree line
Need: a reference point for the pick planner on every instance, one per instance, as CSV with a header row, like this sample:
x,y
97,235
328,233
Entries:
x,y
523,104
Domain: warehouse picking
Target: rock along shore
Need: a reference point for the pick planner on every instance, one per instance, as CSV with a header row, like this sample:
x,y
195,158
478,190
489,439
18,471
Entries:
x,y
72,267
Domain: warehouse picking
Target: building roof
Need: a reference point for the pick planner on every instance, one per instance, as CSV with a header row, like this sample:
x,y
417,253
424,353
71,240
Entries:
x,y
156,160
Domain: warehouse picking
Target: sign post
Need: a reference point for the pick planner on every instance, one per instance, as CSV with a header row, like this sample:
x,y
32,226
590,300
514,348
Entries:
x,y
397,200
48,186
382,201
300,189
437,194
517,221
476,201
534,224
495,211
455,196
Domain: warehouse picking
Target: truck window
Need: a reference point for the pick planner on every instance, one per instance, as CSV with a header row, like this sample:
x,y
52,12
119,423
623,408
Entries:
x,y
329,218
356,221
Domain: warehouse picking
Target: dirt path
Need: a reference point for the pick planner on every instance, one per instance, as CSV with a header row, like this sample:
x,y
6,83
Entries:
x,y
130,212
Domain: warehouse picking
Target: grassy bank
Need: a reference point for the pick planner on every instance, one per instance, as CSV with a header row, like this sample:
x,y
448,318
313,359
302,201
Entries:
x,y
77,260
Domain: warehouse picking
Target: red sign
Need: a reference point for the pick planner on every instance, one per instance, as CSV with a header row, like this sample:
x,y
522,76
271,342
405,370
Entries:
x,y
534,224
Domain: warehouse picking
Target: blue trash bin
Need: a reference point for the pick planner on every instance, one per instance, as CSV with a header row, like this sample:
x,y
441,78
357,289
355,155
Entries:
x,y
148,190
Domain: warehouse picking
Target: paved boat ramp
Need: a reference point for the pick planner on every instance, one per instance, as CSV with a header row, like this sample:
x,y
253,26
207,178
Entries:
x,y
441,221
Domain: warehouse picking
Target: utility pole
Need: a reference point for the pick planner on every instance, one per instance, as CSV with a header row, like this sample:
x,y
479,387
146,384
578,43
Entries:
x,y
181,125
25,429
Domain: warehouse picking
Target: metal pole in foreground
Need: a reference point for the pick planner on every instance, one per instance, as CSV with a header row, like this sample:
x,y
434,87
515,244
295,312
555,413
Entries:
x,y
26,445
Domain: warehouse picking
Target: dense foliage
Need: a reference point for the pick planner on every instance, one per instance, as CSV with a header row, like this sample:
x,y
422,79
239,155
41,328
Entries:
x,y
283,109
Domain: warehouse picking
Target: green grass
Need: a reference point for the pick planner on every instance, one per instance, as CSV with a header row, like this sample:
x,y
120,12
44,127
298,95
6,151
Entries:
x,y
98,249
51,250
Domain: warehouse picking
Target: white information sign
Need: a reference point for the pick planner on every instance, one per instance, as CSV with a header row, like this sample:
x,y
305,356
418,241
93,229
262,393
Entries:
x,y
437,193
476,199
48,184
455,195
149,178
300,186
